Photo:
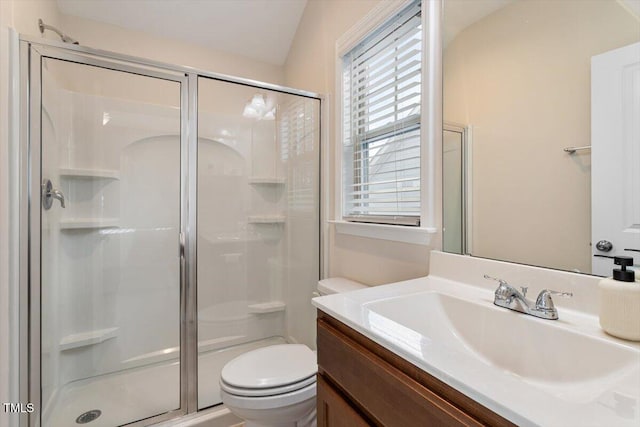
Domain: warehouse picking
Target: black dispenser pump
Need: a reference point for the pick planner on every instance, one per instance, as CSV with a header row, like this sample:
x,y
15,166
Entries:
x,y
622,274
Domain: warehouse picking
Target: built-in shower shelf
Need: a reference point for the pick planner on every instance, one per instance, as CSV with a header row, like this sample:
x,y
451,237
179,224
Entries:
x,y
266,219
88,223
266,180
84,339
89,173
267,307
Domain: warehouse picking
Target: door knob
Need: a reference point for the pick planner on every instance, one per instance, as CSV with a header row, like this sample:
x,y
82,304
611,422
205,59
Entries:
x,y
49,193
604,245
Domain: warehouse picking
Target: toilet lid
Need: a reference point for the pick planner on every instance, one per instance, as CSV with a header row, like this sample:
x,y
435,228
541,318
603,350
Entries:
x,y
272,366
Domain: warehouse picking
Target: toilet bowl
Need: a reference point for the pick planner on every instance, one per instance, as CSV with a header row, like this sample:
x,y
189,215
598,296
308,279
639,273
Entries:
x,y
275,386
272,386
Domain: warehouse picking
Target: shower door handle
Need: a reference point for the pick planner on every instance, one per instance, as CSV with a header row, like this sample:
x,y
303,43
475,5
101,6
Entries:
x,y
183,261
49,193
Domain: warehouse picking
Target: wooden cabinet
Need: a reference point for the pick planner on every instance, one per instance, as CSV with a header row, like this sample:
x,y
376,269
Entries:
x,y
361,383
334,409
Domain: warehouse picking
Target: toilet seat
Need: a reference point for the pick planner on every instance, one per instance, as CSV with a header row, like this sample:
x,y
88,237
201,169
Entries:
x,y
259,392
271,367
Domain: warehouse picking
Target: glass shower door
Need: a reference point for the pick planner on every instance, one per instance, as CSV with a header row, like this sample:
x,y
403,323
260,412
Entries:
x,y
110,234
258,223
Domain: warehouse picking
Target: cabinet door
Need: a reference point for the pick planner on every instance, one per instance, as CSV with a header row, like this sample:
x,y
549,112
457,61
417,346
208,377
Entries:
x,y
334,410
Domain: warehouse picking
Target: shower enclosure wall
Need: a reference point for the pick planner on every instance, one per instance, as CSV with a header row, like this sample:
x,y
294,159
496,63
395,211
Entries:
x,y
172,223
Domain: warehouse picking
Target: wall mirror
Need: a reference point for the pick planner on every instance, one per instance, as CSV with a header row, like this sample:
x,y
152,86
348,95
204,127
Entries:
x,y
542,131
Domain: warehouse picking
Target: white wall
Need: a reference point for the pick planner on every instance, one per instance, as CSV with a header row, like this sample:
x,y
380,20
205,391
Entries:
x,y
8,367
311,65
5,343
25,13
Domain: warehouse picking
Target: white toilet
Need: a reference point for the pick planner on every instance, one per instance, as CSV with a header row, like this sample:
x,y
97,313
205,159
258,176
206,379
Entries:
x,y
275,386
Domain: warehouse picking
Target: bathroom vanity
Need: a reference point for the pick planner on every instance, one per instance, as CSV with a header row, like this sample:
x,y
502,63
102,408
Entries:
x,y
361,383
437,351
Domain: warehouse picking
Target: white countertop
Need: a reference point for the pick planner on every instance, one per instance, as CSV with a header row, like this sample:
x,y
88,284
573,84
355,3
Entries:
x,y
605,397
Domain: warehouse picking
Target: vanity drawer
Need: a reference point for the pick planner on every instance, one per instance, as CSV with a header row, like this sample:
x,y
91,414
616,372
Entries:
x,y
387,389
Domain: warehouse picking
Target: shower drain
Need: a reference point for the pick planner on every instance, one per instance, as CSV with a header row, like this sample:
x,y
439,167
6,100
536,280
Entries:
x,y
88,416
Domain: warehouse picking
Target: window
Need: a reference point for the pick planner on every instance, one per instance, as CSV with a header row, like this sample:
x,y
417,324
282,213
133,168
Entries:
x,y
381,126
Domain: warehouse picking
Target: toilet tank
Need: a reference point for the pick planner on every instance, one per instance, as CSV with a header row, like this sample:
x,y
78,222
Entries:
x,y
335,285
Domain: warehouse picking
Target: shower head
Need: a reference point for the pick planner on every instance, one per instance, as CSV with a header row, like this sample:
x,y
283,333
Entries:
x,y
65,38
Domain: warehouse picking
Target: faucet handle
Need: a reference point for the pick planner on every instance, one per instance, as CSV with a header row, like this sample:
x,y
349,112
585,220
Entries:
x,y
544,300
505,283
505,290
501,281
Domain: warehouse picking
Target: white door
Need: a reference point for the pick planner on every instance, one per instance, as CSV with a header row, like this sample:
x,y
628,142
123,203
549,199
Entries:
x,y
615,155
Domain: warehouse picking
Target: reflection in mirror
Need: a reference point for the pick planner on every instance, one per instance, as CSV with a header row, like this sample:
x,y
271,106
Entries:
x,y
528,79
453,159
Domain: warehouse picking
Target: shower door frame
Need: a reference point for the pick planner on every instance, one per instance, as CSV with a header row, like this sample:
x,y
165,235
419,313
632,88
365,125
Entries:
x,y
31,55
31,51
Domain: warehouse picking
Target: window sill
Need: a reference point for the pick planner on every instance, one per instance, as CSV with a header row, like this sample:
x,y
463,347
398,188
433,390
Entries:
x,y
397,233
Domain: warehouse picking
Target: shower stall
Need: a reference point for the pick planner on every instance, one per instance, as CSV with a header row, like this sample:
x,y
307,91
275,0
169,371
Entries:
x,y
169,221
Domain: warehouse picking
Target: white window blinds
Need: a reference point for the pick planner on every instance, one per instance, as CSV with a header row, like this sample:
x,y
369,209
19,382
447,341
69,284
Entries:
x,y
381,141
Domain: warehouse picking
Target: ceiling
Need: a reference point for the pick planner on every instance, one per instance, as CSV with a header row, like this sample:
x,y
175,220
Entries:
x,y
259,29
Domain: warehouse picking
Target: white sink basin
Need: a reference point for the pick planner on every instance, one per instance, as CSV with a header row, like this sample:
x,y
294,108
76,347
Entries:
x,y
538,350
534,372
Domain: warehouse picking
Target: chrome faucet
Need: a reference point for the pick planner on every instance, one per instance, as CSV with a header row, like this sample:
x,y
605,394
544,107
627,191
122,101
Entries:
x,y
509,297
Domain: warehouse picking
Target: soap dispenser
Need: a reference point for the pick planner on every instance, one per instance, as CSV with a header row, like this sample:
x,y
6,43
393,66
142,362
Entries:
x,y
620,301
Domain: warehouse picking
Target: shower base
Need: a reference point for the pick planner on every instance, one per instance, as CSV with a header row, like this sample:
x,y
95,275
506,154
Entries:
x,y
142,392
